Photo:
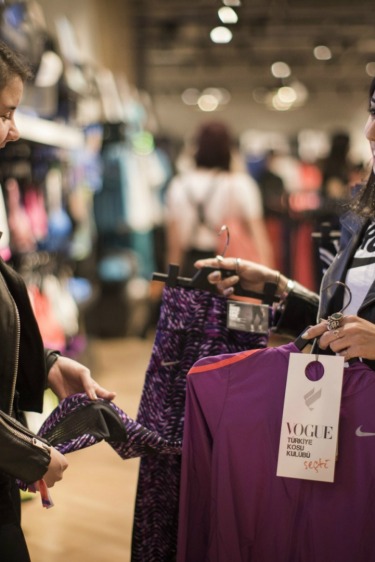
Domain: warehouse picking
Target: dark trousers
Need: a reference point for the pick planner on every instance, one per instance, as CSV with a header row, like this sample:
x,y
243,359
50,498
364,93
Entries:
x,y
12,541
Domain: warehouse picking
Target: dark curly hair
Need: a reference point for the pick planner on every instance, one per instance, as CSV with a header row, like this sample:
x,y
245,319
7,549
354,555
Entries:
x,y
363,203
12,64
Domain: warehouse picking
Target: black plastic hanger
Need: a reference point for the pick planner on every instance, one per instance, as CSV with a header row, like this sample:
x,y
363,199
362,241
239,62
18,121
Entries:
x,y
301,342
200,282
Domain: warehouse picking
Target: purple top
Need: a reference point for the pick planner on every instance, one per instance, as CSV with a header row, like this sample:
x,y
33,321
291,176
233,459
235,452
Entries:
x,y
232,504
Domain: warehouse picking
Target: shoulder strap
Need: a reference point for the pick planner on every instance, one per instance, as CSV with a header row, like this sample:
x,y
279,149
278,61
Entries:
x,y
200,206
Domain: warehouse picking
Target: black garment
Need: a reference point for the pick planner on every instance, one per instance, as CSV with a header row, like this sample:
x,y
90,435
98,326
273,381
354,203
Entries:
x,y
12,542
31,374
273,193
22,346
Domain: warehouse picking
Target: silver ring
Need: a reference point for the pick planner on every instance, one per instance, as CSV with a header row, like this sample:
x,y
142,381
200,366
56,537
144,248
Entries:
x,y
335,320
238,264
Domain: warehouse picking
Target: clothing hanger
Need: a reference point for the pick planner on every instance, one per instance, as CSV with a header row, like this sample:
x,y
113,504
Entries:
x,y
200,282
326,233
301,342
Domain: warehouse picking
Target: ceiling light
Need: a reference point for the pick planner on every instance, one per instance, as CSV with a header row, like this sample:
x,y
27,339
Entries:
x,y
222,95
221,35
190,96
279,105
321,52
227,15
280,70
286,94
207,102
301,92
232,2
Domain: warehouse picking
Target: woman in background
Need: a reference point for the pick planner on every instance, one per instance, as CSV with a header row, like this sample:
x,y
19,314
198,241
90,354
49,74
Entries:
x,y
26,368
201,200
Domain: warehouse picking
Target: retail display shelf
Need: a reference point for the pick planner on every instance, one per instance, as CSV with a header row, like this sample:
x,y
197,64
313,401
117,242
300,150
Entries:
x,y
48,132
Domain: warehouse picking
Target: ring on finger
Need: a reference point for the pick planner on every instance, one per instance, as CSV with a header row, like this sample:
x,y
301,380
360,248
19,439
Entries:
x,y
238,264
334,320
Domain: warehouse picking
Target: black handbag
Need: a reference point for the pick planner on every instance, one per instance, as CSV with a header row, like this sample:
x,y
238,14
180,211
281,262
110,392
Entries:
x,y
24,455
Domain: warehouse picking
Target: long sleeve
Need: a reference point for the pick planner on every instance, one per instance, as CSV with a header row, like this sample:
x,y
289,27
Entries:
x,y
297,312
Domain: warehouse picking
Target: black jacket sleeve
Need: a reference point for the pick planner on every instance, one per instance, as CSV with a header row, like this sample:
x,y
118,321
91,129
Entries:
x,y
298,311
23,455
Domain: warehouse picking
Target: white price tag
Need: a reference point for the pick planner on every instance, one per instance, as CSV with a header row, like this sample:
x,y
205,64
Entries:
x,y
309,431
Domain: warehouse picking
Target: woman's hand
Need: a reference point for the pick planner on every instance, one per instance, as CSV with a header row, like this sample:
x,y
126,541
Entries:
x,y
252,276
56,467
67,377
354,338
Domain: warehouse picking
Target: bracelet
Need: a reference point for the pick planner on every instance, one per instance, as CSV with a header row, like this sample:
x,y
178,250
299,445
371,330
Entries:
x,y
277,281
288,289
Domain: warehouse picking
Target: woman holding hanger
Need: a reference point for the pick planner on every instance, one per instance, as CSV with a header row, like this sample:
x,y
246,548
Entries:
x,y
26,368
347,286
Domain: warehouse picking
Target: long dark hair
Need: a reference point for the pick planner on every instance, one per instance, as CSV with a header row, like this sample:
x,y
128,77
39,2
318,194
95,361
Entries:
x,y
363,203
12,64
213,146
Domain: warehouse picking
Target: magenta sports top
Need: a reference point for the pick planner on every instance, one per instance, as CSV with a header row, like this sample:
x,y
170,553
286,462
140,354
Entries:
x,y
233,507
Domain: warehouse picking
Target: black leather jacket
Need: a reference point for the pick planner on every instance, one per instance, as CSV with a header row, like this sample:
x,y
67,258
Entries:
x,y
23,360
303,307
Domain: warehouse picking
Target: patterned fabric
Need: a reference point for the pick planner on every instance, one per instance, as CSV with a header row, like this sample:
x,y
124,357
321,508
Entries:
x,y
78,422
192,325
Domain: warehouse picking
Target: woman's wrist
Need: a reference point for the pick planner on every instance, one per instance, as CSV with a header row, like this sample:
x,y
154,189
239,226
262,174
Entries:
x,y
284,285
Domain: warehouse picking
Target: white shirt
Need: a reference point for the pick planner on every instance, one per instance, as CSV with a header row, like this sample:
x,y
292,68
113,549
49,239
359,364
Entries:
x,y
361,273
224,193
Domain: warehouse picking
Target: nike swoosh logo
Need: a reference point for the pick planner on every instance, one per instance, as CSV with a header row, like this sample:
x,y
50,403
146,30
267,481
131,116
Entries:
x,y
360,433
169,363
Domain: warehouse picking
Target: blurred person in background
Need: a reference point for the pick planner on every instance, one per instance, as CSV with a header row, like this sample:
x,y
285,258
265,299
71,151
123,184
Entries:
x,y
337,170
211,194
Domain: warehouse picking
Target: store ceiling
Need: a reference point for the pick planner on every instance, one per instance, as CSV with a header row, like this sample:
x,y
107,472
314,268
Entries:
x,y
175,51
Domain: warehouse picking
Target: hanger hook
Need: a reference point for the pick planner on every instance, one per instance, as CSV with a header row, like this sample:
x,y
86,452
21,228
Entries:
x,y
346,289
222,229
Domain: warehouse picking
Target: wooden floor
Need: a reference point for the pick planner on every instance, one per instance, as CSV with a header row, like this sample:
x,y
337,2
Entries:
x,y
91,520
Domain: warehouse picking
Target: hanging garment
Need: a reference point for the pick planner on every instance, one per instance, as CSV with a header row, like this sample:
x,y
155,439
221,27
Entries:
x,y
36,211
232,504
192,324
5,252
22,238
50,328
78,422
